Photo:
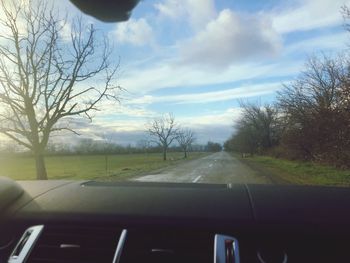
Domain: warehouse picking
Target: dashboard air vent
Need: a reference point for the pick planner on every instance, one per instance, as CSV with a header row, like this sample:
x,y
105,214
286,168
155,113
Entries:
x,y
75,245
226,249
25,244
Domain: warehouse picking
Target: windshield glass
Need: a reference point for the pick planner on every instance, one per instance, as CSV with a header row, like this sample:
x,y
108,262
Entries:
x,y
182,91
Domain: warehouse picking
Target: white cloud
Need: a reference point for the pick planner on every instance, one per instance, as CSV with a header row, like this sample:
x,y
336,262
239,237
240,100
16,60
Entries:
x,y
122,132
225,117
134,31
231,38
196,12
11,6
307,15
124,108
334,42
120,125
215,126
171,8
169,74
66,31
244,91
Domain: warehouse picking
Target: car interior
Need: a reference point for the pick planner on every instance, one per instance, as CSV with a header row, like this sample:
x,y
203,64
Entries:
x,y
87,221
65,221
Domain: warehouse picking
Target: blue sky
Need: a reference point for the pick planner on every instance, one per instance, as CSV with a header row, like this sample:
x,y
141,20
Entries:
x,y
197,58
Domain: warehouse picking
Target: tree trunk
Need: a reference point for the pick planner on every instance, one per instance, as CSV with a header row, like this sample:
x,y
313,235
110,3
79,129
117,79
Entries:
x,y
185,154
106,164
164,154
40,166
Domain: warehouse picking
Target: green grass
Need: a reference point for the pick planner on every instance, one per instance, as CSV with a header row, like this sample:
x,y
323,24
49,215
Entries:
x,y
90,167
308,173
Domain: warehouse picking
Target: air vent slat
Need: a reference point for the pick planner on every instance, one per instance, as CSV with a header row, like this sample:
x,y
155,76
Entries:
x,y
75,244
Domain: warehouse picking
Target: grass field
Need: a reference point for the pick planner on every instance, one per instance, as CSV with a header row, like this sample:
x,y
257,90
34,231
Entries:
x,y
297,172
119,167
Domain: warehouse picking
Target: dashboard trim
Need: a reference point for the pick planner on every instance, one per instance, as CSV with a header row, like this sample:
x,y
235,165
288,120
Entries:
x,y
120,246
221,255
34,233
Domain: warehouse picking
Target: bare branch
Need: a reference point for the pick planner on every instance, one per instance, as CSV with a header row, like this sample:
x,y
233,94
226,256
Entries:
x,y
45,78
164,129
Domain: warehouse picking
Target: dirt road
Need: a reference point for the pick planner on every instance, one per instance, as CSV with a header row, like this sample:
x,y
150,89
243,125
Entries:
x,y
220,167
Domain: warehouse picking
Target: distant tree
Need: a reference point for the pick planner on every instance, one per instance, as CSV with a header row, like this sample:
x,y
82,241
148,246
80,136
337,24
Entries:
x,y
198,147
259,126
244,140
45,79
185,138
311,119
257,130
51,148
64,149
164,131
143,145
85,146
228,145
9,147
213,147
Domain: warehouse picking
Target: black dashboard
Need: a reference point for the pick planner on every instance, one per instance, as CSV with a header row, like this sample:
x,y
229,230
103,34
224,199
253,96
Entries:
x,y
78,221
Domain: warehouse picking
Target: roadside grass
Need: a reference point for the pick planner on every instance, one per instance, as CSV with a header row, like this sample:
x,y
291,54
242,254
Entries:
x,y
298,172
91,167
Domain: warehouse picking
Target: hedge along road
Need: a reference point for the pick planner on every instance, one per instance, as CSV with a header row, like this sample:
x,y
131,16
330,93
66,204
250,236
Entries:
x,y
220,167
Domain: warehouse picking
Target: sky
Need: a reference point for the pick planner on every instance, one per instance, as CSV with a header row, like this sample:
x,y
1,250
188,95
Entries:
x,y
198,58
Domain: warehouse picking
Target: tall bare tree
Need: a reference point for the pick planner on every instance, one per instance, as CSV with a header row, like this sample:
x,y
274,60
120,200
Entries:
x,y
316,107
164,131
185,138
257,130
263,122
47,78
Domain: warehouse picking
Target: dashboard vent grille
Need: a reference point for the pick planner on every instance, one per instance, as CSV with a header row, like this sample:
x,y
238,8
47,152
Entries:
x,y
75,245
168,245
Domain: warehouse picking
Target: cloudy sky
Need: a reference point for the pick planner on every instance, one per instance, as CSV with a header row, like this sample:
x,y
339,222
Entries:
x,y
197,58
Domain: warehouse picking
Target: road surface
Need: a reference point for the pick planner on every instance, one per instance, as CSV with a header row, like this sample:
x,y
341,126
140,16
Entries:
x,y
220,167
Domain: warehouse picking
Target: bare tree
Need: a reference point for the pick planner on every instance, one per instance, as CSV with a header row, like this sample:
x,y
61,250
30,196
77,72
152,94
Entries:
x,y
257,130
164,129
46,78
185,138
316,107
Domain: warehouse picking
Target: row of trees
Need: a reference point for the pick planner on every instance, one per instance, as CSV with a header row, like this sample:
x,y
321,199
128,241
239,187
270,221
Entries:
x,y
165,130
256,131
311,118
100,147
309,121
87,146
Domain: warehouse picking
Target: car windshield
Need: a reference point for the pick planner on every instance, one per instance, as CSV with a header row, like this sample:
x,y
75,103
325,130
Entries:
x,y
179,91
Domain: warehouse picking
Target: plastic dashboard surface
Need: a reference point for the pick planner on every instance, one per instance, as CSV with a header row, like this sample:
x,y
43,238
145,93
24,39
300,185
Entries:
x,y
237,205
309,222
141,203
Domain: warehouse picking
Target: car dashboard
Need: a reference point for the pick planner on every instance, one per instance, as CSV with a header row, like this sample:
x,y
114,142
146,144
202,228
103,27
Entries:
x,y
88,221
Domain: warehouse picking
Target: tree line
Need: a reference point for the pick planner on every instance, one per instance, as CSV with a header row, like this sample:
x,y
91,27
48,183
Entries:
x,y
309,121
88,146
164,130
